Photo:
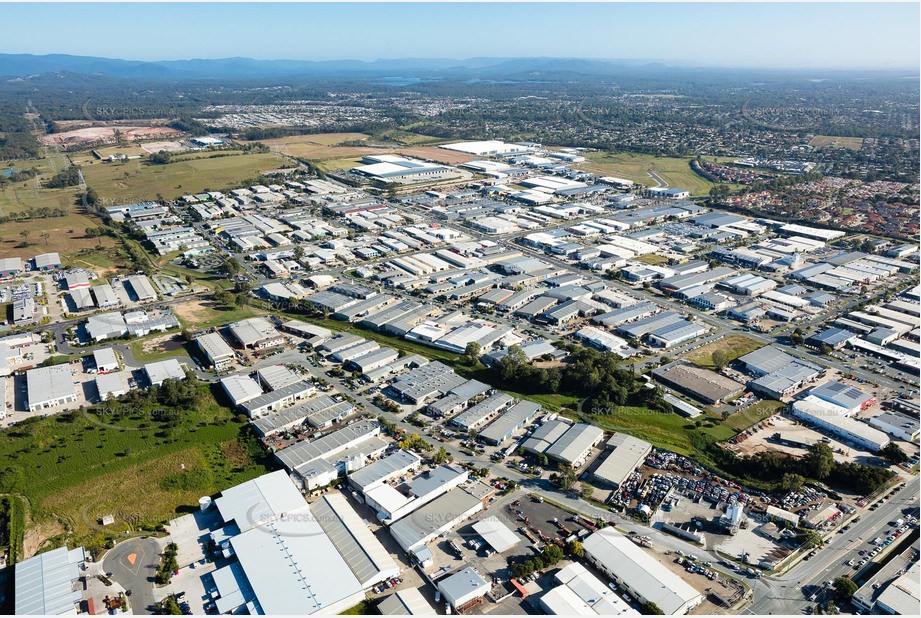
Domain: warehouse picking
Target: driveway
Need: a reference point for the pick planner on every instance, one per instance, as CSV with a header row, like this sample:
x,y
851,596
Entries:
x,y
133,565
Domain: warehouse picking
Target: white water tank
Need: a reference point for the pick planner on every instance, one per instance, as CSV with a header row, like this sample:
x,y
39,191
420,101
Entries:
x,y
204,503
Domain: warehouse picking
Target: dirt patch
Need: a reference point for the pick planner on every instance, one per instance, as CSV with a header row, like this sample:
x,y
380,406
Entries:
x,y
157,345
94,136
448,157
193,311
35,537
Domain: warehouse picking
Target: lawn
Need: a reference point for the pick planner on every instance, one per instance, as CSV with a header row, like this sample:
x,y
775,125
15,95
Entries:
x,y
675,171
141,462
740,421
733,345
831,141
136,181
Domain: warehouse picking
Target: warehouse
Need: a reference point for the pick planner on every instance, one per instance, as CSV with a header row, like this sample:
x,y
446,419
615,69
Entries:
x,y
47,261
256,333
284,420
105,360
297,456
393,168
430,520
851,398
290,563
835,338
48,387
899,426
483,412
323,411
679,283
508,423
340,342
373,359
311,333
640,328
365,556
383,470
702,384
626,455
748,284
406,602
277,399
111,385
675,334
496,534
240,389
462,588
344,356
457,398
392,504
427,382
574,446
545,435
10,267
82,299
601,340
831,418
142,288
580,593
105,296
48,584
160,371
218,353
641,575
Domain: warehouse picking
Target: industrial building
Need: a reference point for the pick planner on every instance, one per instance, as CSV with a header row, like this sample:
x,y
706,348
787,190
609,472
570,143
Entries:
x,y
383,470
851,398
392,504
831,418
110,385
405,602
160,371
496,534
899,426
778,373
430,520
105,360
320,462
219,354
641,575
625,455
48,387
483,412
46,584
47,261
580,593
509,422
392,168
240,389
575,445
463,587
277,399
702,384
256,333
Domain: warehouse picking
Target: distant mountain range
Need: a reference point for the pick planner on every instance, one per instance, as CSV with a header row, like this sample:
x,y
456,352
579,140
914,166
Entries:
x,y
25,65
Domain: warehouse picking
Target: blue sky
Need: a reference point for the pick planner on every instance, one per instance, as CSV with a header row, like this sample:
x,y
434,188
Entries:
x,y
790,35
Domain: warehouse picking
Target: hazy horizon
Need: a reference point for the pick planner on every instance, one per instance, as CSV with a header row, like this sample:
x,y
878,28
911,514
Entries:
x,y
807,36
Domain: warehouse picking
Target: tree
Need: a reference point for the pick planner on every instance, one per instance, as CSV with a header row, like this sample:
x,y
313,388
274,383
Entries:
x,y
574,549
820,460
45,236
844,588
472,352
720,359
551,555
299,253
240,300
586,491
440,457
25,237
812,539
542,460
565,478
796,338
224,297
231,266
894,453
159,158
792,482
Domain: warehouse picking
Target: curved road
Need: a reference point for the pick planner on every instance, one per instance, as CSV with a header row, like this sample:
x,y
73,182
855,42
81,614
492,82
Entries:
x,y
133,565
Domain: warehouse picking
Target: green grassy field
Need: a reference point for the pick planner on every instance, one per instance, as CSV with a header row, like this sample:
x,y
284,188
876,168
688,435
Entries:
x,y
831,141
652,258
675,171
665,430
206,313
142,463
135,181
733,345
741,421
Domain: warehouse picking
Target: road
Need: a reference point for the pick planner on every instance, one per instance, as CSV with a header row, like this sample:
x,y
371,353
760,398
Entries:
x,y
133,565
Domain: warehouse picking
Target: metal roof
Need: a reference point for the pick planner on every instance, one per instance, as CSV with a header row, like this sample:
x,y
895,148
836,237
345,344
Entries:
x,y
253,330
499,536
640,572
44,583
241,388
263,499
627,453
360,549
575,442
846,396
49,384
406,602
418,526
104,357
294,568
457,587
545,435
510,421
168,369
214,346
383,469
302,453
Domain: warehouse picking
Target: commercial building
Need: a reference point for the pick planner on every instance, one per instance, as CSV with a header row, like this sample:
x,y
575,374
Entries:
x,y
831,418
383,470
160,371
444,513
851,398
406,602
899,426
496,534
219,354
641,575
319,462
110,385
105,360
509,422
256,333
45,584
574,446
48,387
288,562
240,389
625,455
463,587
702,384
580,593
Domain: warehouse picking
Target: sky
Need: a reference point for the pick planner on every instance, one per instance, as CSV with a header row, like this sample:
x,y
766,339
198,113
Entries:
x,y
772,35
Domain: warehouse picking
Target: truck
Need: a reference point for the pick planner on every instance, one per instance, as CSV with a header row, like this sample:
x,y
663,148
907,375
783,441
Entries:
x,y
898,522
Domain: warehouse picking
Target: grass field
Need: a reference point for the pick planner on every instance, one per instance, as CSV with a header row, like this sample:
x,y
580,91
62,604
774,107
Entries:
x,y
337,165
676,172
733,345
831,141
741,421
665,430
328,149
140,463
206,313
136,181
652,258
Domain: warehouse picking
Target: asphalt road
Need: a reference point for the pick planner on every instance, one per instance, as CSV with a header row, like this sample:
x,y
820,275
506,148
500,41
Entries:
x,y
133,565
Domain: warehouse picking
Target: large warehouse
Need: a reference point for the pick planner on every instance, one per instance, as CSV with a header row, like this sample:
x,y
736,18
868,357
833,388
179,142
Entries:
x,y
644,577
48,387
626,455
442,514
833,418
295,558
702,384
44,584
393,168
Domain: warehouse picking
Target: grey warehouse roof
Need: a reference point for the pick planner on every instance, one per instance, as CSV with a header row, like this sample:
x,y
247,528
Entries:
x,y
44,583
